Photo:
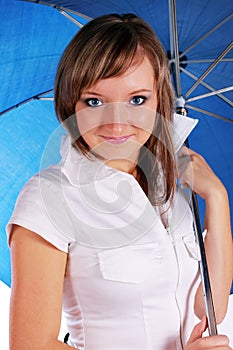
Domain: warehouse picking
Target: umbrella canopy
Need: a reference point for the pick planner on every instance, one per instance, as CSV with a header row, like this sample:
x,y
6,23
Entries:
x,y
197,36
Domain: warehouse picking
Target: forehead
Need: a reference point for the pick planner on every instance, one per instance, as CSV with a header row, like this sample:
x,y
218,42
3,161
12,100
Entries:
x,y
139,76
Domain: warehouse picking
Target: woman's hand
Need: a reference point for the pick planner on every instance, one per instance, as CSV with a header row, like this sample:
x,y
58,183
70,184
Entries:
x,y
194,172
196,342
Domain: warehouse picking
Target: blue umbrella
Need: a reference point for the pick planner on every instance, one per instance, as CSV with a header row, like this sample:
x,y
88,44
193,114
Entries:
x,y
197,36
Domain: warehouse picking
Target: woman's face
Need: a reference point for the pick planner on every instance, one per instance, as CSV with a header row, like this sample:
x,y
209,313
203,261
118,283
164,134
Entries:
x,y
116,116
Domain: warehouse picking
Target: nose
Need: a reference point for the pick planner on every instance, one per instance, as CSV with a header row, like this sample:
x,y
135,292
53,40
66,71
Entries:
x,y
116,117
115,128
116,113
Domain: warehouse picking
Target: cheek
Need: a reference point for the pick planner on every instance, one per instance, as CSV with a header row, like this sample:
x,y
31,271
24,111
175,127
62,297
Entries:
x,y
144,119
89,135
87,119
84,122
143,136
89,139
144,116
85,127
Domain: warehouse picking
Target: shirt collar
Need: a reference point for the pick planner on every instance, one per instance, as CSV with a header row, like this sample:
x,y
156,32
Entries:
x,y
182,128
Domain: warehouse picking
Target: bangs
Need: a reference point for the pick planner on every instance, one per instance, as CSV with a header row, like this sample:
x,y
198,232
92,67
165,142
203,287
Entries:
x,y
111,57
125,53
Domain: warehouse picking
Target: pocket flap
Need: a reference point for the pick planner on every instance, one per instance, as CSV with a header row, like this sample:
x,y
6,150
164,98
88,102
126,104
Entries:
x,y
131,264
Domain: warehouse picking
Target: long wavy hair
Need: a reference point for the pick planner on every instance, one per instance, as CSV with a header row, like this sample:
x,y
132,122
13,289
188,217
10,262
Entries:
x,y
104,48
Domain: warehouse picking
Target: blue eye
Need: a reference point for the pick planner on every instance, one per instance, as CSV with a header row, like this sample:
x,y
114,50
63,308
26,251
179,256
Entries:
x,y
138,100
93,102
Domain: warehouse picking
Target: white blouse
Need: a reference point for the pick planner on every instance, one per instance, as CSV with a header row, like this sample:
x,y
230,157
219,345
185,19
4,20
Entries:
x,y
130,282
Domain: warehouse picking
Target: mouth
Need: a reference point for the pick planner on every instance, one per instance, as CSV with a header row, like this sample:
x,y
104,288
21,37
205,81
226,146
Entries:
x,y
116,140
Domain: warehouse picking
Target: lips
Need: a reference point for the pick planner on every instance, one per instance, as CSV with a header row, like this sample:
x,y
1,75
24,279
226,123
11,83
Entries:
x,y
116,139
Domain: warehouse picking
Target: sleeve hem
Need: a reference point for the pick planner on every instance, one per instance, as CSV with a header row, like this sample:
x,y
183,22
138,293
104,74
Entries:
x,y
37,230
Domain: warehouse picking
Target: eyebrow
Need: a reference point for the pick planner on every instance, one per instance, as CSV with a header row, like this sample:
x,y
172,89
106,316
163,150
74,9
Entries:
x,y
140,91
90,92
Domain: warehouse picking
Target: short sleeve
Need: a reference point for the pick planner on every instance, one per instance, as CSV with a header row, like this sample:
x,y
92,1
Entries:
x,y
40,209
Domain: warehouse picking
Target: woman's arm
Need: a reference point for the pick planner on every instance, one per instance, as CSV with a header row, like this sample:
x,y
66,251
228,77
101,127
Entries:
x,y
218,247
218,242
38,270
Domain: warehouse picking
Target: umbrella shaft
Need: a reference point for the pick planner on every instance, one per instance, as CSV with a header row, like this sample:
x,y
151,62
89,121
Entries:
x,y
209,306
203,267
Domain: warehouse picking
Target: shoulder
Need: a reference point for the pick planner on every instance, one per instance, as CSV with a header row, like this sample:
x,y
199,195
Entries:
x,y
40,208
48,183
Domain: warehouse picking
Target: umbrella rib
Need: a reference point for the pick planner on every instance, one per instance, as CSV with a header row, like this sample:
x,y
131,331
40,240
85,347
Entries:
x,y
171,34
209,69
208,60
64,12
209,94
207,86
76,13
174,43
40,2
207,34
45,98
36,97
68,16
210,113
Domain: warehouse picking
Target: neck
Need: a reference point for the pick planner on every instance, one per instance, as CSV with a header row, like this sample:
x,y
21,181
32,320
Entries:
x,y
131,168
126,166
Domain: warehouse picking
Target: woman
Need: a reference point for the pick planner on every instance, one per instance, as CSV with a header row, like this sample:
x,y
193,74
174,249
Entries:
x,y
107,234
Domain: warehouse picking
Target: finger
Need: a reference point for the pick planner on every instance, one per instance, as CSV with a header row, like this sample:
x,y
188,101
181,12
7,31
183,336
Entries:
x,y
215,341
198,330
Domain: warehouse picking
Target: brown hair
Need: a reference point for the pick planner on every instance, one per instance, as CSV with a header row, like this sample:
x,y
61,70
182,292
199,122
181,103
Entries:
x,y
106,47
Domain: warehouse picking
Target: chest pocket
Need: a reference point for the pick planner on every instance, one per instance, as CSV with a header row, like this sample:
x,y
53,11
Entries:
x,y
131,264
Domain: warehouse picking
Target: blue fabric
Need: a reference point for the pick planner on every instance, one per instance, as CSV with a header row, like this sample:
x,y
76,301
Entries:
x,y
32,39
